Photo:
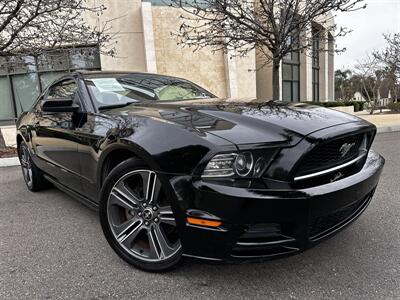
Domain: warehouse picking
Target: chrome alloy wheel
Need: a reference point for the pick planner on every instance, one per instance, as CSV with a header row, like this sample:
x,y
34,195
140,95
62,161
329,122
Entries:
x,y
26,165
141,218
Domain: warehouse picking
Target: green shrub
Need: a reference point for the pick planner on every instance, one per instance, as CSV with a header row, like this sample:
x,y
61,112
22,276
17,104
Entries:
x,y
358,106
327,104
394,107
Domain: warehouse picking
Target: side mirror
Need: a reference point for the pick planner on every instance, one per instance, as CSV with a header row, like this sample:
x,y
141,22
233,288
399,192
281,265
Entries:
x,y
59,105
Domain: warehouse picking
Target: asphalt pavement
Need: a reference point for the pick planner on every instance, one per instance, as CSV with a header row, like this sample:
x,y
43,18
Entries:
x,y
52,247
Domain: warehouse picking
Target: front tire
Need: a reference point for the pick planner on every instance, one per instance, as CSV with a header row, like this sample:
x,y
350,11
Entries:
x,y
137,219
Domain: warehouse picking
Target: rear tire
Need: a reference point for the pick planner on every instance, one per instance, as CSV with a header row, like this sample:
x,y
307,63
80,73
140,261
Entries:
x,y
137,219
33,176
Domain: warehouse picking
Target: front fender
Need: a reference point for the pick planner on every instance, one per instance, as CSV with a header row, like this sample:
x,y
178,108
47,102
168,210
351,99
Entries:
x,y
126,145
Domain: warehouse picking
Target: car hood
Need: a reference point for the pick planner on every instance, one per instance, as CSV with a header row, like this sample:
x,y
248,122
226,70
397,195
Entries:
x,y
243,123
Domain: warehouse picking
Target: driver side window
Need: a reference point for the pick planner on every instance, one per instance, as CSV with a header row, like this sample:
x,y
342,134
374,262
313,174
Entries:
x,y
63,89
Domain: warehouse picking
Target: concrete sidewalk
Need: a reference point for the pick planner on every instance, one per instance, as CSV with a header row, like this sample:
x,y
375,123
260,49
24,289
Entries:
x,y
9,135
9,162
384,122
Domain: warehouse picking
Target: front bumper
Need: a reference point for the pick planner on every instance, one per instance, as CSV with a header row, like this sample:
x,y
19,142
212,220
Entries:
x,y
264,223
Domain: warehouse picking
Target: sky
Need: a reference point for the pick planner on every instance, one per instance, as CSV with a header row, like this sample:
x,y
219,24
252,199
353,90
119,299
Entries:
x,y
368,25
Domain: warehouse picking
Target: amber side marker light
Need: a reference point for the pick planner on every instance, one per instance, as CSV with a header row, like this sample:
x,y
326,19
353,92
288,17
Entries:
x,y
203,222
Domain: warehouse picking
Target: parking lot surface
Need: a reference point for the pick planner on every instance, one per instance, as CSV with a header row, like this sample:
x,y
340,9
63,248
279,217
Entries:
x,y
52,247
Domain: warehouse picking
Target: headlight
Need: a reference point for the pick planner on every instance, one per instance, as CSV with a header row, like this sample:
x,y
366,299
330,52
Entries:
x,y
220,165
242,164
259,167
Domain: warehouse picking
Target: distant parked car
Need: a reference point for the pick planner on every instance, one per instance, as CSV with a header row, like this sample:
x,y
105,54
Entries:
x,y
176,172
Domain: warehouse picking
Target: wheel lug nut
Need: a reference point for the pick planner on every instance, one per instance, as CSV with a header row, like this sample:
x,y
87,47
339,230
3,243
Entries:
x,y
146,223
144,204
156,220
139,214
154,207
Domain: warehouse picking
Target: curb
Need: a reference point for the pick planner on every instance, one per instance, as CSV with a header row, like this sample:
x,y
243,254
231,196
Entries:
x,y
9,162
387,129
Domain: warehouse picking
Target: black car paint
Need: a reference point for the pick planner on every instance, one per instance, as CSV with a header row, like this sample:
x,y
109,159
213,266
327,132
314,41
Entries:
x,y
177,140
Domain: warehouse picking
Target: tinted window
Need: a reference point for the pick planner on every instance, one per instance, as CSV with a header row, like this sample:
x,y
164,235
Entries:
x,y
110,89
63,89
37,104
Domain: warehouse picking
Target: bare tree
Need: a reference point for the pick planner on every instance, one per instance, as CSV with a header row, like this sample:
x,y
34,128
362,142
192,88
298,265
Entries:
x,y
390,58
27,27
371,73
275,28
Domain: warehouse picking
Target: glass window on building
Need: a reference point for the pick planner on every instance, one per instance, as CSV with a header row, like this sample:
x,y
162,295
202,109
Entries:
x,y
171,2
84,58
315,84
23,79
291,82
291,75
55,60
315,66
47,78
26,90
6,106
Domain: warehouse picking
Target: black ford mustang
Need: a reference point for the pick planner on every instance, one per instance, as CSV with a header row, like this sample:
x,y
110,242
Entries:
x,y
176,172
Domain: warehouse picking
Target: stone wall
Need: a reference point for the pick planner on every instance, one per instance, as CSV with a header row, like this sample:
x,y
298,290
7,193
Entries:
x,y
246,76
263,78
124,17
203,67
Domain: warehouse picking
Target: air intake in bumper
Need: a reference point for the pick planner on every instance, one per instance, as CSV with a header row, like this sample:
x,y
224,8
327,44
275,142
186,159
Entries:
x,y
263,240
323,226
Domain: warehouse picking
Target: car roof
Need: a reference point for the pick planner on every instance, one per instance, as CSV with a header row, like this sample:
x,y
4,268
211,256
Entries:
x,y
83,73
86,72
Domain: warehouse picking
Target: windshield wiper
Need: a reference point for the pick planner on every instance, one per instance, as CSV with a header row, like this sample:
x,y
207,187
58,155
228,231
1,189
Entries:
x,y
119,105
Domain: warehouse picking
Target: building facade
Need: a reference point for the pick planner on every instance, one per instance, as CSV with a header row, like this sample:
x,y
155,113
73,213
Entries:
x,y
144,43
22,80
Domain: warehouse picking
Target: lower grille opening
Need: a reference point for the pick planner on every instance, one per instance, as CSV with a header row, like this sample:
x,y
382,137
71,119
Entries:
x,y
324,225
264,240
262,252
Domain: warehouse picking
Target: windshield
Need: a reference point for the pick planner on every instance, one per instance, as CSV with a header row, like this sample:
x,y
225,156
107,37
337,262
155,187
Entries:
x,y
119,89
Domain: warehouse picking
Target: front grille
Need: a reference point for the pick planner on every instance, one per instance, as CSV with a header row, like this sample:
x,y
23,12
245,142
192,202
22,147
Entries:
x,y
330,154
322,226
